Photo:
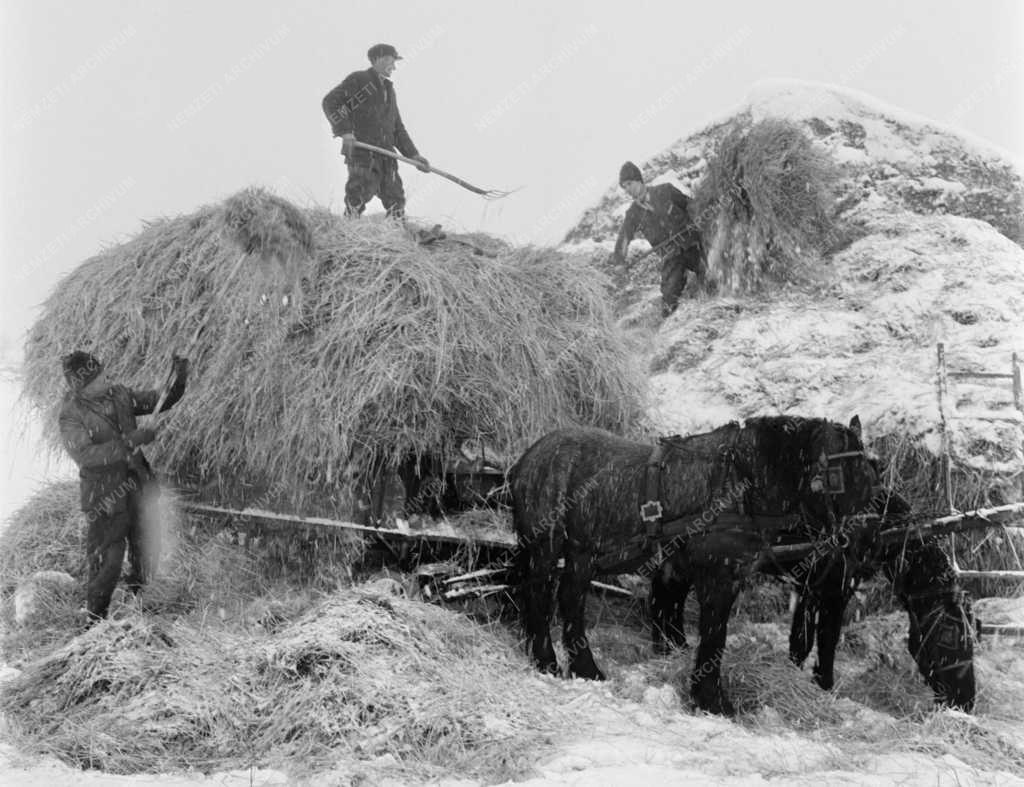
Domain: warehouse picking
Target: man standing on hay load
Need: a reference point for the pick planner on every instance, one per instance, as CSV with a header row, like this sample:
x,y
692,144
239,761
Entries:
x,y
363,108
662,215
99,431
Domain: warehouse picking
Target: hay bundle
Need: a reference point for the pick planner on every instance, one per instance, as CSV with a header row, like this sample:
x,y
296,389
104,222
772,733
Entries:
x,y
362,674
392,348
273,231
766,203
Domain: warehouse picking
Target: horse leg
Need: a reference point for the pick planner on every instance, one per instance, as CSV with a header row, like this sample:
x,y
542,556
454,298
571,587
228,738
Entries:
x,y
717,588
669,589
830,622
538,567
801,634
572,599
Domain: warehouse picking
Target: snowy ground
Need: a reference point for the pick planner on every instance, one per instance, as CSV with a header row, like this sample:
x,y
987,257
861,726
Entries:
x,y
636,732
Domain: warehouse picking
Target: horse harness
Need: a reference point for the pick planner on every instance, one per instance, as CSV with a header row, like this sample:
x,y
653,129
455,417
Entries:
x,y
928,623
658,531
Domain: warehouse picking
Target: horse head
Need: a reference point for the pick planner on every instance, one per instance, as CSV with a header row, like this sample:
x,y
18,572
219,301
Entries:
x,y
941,621
817,467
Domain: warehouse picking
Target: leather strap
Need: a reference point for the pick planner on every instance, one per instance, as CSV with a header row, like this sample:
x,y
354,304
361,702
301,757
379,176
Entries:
x,y
651,511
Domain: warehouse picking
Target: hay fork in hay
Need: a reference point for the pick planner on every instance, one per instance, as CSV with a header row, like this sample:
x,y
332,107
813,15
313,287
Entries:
x,y
485,193
165,389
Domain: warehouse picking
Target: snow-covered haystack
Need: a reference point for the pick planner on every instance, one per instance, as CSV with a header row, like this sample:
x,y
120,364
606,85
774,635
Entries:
x,y
931,253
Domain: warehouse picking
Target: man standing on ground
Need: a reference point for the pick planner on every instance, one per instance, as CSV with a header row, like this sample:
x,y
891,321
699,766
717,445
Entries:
x,y
662,215
99,431
363,108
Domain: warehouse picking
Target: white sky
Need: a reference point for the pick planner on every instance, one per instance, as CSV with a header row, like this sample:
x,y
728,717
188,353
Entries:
x,y
114,112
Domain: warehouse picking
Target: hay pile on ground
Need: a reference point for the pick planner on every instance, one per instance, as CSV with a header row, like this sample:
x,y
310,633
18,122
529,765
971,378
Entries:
x,y
386,347
363,674
204,571
45,534
765,205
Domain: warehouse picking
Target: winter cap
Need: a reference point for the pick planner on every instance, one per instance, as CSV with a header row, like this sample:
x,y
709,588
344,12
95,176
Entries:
x,y
382,50
80,369
630,171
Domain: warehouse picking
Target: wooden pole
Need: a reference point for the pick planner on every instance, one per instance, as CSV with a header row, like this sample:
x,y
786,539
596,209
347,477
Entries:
x,y
943,391
1018,395
490,539
1016,576
987,629
979,519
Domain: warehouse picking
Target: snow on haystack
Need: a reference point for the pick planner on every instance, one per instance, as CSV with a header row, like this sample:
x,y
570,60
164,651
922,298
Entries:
x,y
910,161
933,225
866,344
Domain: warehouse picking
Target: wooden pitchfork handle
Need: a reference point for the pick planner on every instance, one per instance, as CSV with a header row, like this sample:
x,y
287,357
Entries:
x,y
490,193
165,390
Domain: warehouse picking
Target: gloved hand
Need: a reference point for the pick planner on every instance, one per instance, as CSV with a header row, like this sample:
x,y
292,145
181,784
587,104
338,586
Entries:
x,y
179,367
139,437
346,143
423,165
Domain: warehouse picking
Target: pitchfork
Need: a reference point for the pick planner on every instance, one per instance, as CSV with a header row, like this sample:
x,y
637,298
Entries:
x,y
485,193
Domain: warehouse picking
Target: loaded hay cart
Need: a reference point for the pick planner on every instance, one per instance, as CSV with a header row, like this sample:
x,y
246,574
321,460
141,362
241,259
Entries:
x,y
335,355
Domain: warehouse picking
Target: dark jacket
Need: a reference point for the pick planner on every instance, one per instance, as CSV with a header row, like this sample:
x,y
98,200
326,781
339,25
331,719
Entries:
x,y
93,430
364,105
665,216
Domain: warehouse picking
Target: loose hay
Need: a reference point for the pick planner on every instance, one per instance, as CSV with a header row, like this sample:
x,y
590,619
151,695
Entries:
x,y
45,534
759,675
392,348
362,674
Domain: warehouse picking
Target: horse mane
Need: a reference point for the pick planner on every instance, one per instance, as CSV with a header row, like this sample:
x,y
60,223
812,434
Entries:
x,y
697,444
783,442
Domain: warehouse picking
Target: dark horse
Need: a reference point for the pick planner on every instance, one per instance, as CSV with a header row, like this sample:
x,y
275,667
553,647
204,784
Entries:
x,y
941,637
596,503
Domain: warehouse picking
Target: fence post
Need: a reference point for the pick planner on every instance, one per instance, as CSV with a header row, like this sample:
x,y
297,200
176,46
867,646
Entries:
x,y
1018,397
943,390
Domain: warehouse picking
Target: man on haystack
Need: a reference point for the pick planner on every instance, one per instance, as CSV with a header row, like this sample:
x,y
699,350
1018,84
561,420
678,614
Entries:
x,y
99,431
363,108
662,215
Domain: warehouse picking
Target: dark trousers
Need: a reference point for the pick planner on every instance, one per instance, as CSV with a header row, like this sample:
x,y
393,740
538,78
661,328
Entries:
x,y
377,177
109,531
673,276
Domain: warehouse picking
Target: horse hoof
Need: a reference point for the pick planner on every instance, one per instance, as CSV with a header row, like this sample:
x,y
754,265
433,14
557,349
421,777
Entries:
x,y
547,668
719,705
589,673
